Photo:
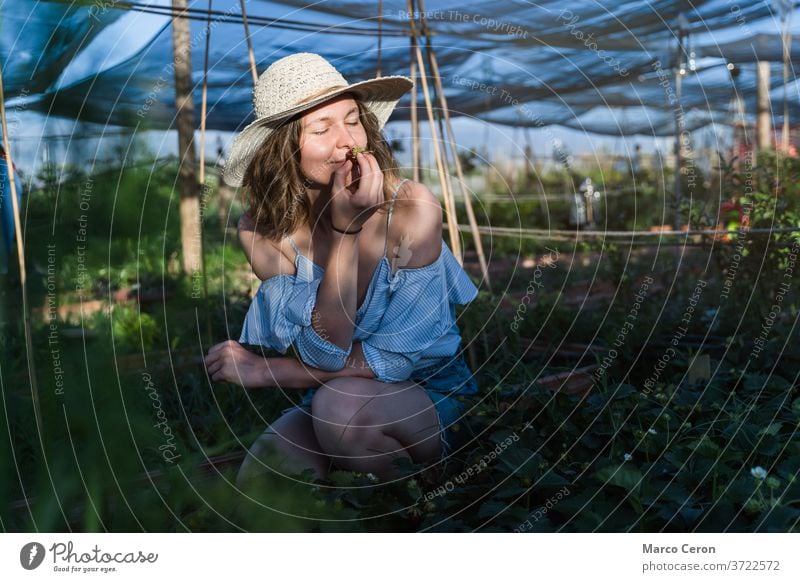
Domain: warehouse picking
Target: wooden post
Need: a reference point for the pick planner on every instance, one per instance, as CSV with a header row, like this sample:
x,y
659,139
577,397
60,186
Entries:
x,y
763,111
184,121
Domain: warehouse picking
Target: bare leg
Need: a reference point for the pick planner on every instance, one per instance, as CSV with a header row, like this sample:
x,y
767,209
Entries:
x,y
365,424
295,447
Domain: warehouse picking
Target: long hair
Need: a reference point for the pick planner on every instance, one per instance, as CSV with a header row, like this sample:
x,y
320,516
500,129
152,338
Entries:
x,y
275,185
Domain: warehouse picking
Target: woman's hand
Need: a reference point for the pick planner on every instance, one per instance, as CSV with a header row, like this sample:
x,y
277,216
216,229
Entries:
x,y
230,362
354,200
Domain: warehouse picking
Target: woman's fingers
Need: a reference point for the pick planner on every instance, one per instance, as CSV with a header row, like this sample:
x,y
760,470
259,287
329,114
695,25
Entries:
x,y
214,366
218,358
210,359
371,178
340,180
217,347
354,201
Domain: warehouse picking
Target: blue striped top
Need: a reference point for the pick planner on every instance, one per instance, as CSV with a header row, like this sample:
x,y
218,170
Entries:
x,y
406,322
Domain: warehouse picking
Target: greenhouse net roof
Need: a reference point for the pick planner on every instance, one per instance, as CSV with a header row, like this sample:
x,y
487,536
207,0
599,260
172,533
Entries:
x,y
599,66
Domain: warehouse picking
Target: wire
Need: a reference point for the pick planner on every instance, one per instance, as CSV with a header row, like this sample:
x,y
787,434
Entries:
x,y
549,233
202,14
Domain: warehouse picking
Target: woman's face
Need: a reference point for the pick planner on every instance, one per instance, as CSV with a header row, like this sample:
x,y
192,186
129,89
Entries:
x,y
328,132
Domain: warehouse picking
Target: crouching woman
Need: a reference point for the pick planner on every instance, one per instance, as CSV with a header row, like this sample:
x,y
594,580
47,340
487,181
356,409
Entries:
x,y
355,278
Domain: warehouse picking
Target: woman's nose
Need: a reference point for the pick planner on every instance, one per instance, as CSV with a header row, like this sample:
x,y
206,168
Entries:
x,y
345,138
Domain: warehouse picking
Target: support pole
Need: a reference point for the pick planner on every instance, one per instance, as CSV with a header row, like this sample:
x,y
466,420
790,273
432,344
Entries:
x,y
679,121
763,113
415,146
184,120
205,189
250,52
450,135
23,275
204,102
787,51
452,222
380,37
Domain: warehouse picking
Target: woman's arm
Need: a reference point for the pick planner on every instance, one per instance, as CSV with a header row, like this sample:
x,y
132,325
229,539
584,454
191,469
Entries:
x,y
230,362
266,259
296,374
335,309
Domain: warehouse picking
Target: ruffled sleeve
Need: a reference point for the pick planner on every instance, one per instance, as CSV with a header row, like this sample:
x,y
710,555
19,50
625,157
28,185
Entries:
x,y
418,313
280,315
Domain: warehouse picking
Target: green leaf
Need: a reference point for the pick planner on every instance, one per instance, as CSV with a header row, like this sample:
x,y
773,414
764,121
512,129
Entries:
x,y
551,479
690,514
341,478
626,476
773,429
521,462
492,509
509,492
704,446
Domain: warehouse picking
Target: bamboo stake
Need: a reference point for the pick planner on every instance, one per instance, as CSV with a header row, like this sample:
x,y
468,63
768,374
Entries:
x,y
787,44
23,277
476,235
455,241
204,189
249,45
380,36
204,101
764,127
415,162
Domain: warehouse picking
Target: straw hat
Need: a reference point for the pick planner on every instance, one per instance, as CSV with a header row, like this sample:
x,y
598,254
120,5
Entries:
x,y
299,82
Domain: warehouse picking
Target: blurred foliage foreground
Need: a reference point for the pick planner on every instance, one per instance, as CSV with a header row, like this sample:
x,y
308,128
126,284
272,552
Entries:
x,y
690,424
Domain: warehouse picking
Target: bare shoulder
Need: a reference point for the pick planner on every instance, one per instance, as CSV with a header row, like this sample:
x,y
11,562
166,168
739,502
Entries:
x,y
417,224
267,258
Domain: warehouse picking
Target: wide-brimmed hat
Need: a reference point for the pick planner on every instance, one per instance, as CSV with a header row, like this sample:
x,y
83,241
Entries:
x,y
299,82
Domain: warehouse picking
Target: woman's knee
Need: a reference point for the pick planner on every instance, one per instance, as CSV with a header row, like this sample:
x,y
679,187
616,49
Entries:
x,y
289,439
345,423
336,405
258,457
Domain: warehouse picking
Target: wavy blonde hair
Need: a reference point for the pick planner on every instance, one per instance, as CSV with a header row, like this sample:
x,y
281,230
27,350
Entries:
x,y
275,185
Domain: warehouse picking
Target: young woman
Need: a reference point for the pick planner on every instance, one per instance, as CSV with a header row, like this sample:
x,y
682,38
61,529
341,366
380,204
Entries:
x,y
356,278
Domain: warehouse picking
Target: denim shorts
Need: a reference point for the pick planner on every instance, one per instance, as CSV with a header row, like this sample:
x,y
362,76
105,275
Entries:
x,y
444,381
